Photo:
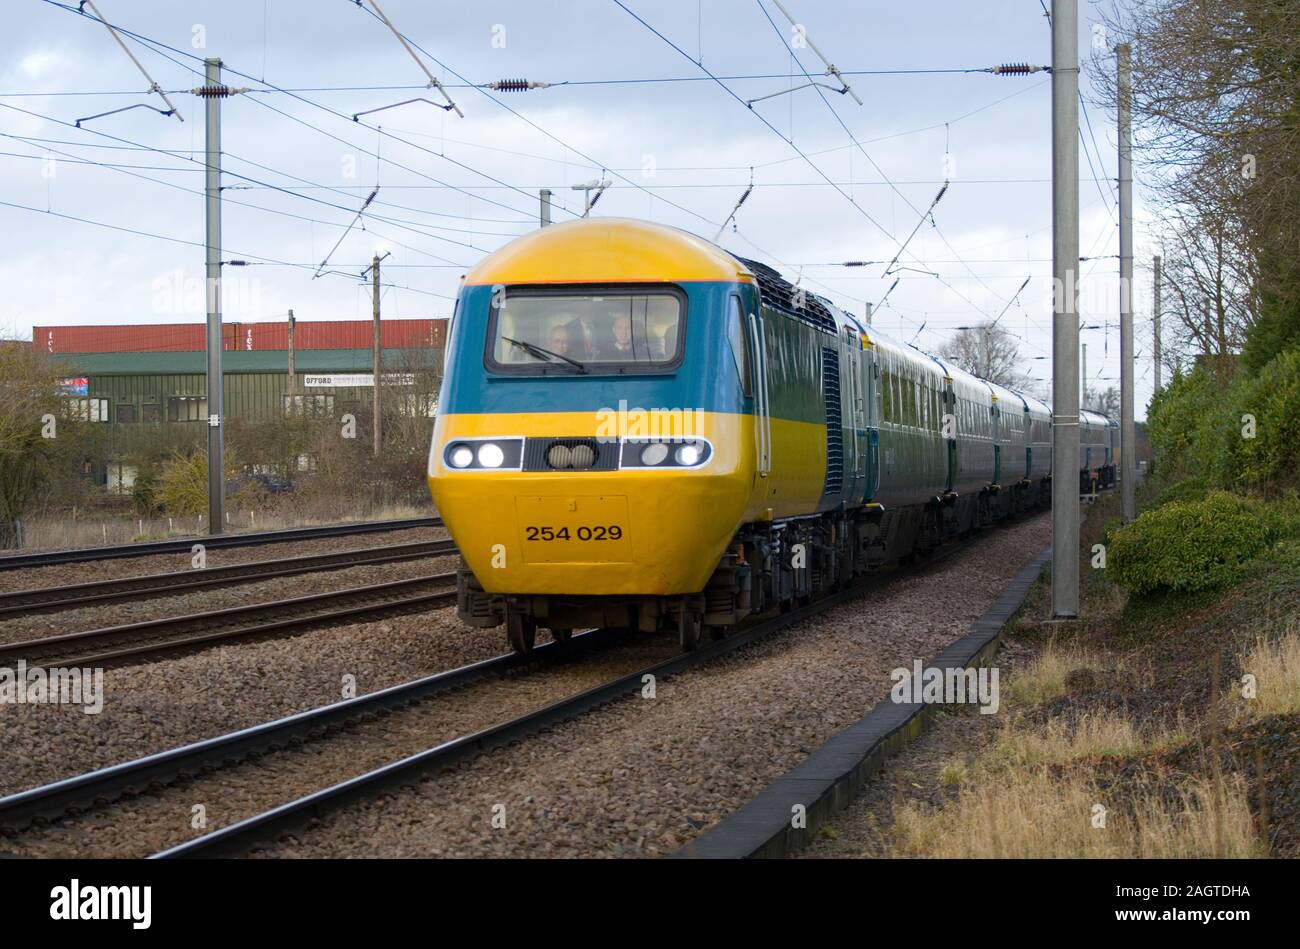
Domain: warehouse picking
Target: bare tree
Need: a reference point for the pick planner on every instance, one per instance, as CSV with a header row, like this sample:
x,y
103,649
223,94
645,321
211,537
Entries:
x,y
1216,106
34,431
1105,401
987,351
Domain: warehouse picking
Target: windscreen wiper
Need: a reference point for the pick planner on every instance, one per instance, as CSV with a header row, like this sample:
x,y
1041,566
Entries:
x,y
538,352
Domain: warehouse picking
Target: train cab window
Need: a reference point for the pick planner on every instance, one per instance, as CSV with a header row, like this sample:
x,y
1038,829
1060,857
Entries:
x,y
736,339
603,331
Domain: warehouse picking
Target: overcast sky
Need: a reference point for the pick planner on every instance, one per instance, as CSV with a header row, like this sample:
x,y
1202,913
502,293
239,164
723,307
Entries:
x,y
452,189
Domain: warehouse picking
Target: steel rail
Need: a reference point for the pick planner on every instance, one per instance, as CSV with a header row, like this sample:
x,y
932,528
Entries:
x,y
184,545
236,839
72,796
44,599
179,633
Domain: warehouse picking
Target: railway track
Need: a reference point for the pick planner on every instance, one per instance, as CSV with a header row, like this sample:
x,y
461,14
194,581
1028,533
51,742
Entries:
x,y
45,599
158,637
211,542
72,796
236,839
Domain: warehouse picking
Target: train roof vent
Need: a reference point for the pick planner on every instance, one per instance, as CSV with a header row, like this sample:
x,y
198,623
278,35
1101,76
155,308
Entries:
x,y
778,292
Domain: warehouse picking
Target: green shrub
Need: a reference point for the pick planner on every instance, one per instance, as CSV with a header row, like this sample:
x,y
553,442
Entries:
x,y
1185,546
144,494
1189,489
183,484
1190,424
1269,459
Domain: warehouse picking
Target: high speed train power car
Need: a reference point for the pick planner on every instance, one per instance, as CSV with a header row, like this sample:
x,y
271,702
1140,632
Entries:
x,y
638,429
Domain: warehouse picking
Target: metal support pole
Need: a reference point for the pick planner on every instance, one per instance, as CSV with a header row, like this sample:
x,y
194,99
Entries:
x,y
1083,374
546,207
1127,428
1155,329
1065,325
215,378
374,294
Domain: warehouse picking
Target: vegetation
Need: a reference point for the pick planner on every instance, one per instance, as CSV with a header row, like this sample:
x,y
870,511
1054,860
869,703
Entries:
x,y
44,445
1216,107
1186,546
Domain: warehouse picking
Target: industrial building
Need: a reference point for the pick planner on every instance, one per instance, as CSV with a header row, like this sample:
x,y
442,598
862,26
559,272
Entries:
x,y
133,374
129,376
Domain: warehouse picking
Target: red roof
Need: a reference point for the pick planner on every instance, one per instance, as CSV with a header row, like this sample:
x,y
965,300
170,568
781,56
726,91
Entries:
x,y
190,337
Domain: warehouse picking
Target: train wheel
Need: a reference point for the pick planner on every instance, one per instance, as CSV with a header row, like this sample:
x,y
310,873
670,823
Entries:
x,y
521,631
717,633
688,630
562,636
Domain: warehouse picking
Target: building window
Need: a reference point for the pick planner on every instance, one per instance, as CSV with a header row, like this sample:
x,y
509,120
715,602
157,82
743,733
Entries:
x,y
126,414
87,410
187,408
151,412
309,406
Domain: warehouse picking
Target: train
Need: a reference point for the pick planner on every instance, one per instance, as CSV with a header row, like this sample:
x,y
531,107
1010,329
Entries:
x,y
639,429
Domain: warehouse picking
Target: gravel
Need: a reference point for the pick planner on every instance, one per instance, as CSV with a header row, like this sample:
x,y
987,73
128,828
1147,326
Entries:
x,y
958,735
36,578
639,777
643,777
164,704
150,823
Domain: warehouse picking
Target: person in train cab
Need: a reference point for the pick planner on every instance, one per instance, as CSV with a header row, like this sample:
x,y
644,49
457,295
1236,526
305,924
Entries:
x,y
621,348
558,340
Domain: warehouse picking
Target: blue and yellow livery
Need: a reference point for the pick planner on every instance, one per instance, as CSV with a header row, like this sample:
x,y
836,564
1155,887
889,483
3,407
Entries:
x,y
637,428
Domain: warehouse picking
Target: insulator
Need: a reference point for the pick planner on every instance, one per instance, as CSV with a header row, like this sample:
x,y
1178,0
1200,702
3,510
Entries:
x,y
1015,69
214,92
512,85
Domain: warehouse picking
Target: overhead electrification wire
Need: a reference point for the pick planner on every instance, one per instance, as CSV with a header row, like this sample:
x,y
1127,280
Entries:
x,y
270,261
550,135
853,138
159,48
287,191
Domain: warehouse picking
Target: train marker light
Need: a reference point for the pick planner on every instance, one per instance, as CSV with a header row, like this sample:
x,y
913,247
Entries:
x,y
688,455
654,454
490,455
461,456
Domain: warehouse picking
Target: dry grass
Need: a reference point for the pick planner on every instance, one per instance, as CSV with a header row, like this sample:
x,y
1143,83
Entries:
x,y
1099,734
953,773
1276,668
1033,813
1044,679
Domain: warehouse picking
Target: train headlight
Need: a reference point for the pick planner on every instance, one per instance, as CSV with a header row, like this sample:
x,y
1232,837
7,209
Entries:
x,y
688,455
461,457
654,454
490,455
